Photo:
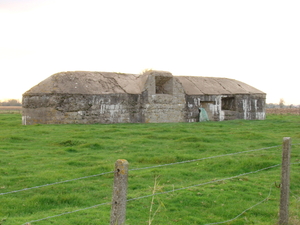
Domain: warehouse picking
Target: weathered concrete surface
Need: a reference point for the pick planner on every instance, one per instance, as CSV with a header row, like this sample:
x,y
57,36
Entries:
x,y
81,82
215,86
164,99
243,106
153,97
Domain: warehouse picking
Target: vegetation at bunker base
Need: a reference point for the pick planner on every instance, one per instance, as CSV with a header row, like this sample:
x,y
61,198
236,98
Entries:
x,y
42,154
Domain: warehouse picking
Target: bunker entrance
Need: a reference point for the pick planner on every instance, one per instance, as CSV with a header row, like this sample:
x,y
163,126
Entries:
x,y
163,85
205,112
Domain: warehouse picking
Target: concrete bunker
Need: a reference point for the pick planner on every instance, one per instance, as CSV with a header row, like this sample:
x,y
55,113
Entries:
x,y
151,97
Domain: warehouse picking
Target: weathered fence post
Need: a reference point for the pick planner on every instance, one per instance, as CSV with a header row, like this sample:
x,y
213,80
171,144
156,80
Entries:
x,y
285,182
118,207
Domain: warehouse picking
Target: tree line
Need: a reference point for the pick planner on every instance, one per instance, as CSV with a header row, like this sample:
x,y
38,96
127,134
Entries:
x,y
11,102
281,105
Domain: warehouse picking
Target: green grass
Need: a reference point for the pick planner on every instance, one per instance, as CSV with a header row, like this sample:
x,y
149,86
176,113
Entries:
x,y
42,154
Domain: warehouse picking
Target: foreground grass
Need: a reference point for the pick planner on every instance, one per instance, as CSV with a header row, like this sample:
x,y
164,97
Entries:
x,y
42,154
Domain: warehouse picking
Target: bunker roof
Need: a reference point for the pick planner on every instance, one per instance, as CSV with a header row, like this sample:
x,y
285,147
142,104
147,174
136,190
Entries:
x,y
214,86
84,82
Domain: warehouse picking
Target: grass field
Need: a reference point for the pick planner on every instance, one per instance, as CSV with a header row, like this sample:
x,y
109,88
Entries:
x,y
42,154
10,109
295,111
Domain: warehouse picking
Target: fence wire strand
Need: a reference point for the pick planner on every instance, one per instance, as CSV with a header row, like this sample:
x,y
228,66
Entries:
x,y
143,168
160,193
50,217
210,157
59,182
249,207
244,210
166,192
209,182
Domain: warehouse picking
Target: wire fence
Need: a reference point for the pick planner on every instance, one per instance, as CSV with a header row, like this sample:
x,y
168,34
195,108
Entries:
x,y
143,168
165,192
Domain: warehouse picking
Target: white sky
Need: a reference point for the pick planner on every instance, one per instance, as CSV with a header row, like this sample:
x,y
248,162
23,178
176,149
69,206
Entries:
x,y
256,42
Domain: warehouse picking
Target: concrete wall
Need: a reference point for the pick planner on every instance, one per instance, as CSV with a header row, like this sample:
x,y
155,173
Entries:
x,y
162,100
144,108
86,109
248,107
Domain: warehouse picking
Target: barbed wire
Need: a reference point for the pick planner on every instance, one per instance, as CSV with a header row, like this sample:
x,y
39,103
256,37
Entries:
x,y
209,182
244,210
205,158
159,193
50,217
143,168
249,207
59,182
296,196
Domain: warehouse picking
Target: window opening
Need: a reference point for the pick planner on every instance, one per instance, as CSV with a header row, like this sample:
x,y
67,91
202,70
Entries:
x,y
228,103
163,85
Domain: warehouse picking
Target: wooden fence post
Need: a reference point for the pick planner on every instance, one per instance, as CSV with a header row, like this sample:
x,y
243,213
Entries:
x,y
118,207
285,182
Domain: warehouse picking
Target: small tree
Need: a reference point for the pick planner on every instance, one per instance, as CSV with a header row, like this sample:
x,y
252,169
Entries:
x,y
281,103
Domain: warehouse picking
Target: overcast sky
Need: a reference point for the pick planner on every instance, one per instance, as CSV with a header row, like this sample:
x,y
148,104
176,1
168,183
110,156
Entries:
x,y
256,42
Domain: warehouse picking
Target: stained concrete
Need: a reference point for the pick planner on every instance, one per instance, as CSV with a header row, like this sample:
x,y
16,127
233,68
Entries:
x,y
152,97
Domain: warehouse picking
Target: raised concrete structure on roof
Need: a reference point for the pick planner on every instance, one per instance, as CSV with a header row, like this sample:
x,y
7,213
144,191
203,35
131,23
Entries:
x,y
154,97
